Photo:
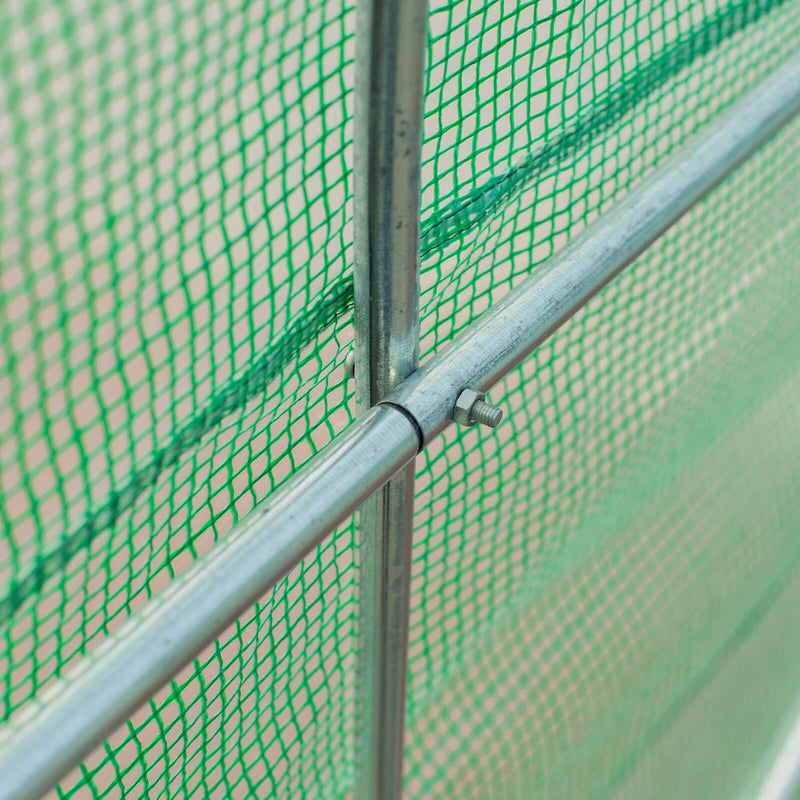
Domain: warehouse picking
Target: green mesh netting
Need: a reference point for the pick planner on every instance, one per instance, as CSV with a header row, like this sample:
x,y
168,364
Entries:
x,y
597,584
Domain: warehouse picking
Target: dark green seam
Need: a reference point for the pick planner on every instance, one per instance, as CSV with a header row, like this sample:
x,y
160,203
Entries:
x,y
445,226
337,300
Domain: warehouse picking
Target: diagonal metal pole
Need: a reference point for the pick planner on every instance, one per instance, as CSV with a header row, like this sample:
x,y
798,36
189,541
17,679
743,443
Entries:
x,y
390,60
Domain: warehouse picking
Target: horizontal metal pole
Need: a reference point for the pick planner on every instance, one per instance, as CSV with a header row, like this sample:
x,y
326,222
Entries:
x,y
502,337
53,733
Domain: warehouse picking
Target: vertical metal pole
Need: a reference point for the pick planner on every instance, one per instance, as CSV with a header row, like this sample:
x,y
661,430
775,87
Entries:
x,y
390,58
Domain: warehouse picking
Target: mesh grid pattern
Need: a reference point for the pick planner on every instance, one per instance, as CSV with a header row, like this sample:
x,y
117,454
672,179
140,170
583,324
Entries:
x,y
169,362
267,711
590,564
175,303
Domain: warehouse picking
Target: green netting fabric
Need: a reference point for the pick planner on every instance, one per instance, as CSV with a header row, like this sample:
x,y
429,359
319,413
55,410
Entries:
x,y
175,232
584,574
593,583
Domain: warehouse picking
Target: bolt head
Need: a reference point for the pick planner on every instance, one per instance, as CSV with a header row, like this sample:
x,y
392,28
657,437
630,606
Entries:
x,y
462,413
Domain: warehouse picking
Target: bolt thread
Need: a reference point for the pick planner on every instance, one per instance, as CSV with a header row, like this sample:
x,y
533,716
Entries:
x,y
486,414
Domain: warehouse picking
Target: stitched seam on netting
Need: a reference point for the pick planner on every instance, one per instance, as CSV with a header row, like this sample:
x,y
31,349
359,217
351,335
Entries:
x,y
443,227
249,385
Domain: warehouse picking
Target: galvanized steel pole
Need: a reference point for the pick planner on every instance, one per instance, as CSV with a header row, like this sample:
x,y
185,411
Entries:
x,y
390,60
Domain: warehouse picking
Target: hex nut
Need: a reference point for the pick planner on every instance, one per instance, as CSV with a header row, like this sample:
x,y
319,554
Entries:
x,y
462,413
